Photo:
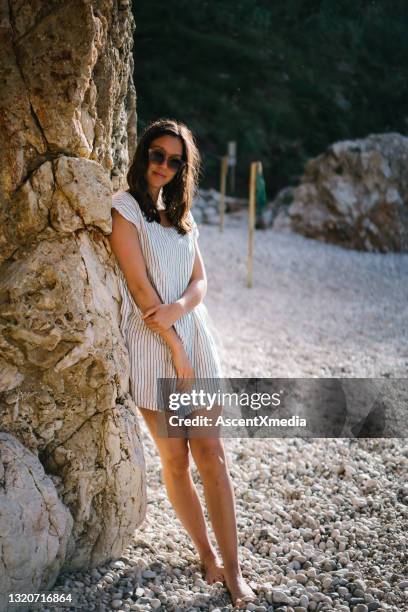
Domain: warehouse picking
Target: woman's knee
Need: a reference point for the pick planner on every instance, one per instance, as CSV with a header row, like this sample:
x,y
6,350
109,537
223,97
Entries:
x,y
177,461
208,454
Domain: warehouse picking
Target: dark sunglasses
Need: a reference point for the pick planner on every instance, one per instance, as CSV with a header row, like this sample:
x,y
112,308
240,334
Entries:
x,y
156,156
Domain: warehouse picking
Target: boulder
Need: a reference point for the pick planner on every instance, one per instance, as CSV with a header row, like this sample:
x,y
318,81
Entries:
x,y
355,195
35,525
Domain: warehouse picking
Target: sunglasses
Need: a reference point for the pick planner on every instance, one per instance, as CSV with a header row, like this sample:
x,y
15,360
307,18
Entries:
x,y
156,156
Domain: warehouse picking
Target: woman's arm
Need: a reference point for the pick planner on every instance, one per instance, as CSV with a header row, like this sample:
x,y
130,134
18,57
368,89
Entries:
x,y
162,317
197,287
125,244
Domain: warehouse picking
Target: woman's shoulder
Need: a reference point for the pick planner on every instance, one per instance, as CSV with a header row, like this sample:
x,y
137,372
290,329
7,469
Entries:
x,y
127,205
124,196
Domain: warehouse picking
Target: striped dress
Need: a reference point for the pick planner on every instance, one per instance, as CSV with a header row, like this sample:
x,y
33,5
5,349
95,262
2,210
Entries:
x,y
169,259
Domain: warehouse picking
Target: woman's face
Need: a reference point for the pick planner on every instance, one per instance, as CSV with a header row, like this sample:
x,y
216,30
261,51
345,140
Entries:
x,y
158,175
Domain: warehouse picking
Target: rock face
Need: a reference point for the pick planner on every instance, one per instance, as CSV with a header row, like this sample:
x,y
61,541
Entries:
x,y
354,195
68,130
34,524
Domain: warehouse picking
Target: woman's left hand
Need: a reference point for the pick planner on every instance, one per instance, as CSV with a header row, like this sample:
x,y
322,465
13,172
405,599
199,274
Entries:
x,y
161,317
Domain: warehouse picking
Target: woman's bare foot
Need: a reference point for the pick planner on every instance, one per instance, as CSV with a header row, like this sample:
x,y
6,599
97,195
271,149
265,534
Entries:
x,y
212,568
241,593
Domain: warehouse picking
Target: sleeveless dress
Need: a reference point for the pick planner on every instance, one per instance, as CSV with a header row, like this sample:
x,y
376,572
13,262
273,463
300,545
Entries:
x,y
169,259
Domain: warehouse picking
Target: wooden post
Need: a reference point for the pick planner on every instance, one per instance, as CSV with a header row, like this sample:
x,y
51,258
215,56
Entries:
x,y
251,219
223,183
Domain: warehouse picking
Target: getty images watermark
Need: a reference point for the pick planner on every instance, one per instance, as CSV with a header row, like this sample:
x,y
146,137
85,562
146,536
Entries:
x,y
284,407
204,400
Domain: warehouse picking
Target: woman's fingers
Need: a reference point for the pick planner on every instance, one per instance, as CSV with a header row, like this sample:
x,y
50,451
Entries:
x,y
185,377
182,385
158,328
149,311
189,378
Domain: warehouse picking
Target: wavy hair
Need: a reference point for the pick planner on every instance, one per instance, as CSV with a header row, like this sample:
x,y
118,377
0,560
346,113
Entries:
x,y
177,195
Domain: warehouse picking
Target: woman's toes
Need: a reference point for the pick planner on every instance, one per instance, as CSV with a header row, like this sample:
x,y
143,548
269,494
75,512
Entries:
x,y
213,570
241,593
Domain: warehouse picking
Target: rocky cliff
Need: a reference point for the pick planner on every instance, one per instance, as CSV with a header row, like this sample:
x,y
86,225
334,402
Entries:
x,y
71,462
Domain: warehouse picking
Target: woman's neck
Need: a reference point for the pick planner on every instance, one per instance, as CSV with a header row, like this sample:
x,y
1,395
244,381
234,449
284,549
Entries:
x,y
156,195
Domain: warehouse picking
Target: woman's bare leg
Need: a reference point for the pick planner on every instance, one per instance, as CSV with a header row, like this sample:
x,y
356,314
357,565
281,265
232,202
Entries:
x,y
183,496
209,456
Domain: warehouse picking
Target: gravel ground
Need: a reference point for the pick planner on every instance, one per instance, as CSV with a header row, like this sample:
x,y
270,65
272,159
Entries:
x,y
314,309
322,523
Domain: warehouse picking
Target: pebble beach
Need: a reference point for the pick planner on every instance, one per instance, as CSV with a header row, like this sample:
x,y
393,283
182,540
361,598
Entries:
x,y
322,523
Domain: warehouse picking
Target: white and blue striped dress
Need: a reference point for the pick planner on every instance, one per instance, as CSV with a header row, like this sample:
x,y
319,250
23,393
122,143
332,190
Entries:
x,y
169,259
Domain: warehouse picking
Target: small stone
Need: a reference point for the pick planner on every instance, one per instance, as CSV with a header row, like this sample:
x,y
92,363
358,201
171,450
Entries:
x,y
95,574
361,585
268,516
143,601
360,608
303,601
354,601
279,596
327,583
116,604
301,578
174,561
140,562
295,565
118,565
149,574
343,592
328,565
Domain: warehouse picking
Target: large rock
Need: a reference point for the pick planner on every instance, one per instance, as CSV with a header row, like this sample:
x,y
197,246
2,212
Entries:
x,y
354,195
34,524
102,481
67,132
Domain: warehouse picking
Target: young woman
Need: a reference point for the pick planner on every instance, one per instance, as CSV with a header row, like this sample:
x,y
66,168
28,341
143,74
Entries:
x,y
163,283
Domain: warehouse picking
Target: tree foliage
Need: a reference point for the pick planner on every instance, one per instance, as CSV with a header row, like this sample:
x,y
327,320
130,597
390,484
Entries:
x,y
283,79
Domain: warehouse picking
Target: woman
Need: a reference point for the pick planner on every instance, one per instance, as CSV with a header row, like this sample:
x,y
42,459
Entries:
x,y
163,282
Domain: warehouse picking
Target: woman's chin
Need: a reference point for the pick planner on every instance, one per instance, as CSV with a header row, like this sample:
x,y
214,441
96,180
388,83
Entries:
x,y
157,181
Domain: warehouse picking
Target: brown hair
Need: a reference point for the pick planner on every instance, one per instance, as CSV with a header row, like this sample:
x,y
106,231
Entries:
x,y
178,194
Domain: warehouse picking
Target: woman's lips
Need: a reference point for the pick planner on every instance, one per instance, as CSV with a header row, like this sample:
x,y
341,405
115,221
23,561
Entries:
x,y
158,174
